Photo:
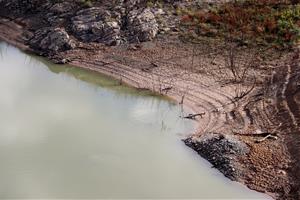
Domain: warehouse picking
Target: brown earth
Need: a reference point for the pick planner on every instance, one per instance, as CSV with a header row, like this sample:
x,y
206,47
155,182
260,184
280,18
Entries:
x,y
196,75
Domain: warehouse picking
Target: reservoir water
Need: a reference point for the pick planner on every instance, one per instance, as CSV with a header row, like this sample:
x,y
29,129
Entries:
x,y
70,133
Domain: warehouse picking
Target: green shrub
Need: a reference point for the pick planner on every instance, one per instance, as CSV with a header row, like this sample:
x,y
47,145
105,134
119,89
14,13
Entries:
x,y
262,21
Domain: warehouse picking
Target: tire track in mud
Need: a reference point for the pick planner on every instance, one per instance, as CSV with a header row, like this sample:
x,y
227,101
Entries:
x,y
215,102
291,91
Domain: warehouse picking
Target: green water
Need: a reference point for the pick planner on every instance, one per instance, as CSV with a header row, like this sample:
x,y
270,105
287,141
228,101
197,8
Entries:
x,y
69,133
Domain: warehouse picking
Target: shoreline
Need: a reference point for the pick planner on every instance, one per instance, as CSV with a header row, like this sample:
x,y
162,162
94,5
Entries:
x,y
142,83
197,92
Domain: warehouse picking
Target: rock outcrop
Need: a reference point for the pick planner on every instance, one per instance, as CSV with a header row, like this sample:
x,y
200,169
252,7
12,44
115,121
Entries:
x,y
108,22
112,27
222,151
141,25
97,25
58,14
51,40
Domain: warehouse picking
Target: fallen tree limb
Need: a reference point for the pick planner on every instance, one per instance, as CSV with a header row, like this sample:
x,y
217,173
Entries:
x,y
167,89
193,116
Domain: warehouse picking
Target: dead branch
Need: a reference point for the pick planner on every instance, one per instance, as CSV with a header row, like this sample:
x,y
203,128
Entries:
x,y
167,89
242,94
193,116
269,136
182,99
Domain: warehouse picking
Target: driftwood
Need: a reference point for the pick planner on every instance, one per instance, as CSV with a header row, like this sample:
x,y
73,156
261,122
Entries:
x,y
167,89
269,136
264,135
193,116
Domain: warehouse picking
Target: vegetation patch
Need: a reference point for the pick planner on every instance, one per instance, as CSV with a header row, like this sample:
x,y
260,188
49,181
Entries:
x,y
266,22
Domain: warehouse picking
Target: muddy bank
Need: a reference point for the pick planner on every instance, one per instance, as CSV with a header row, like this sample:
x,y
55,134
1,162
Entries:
x,y
232,128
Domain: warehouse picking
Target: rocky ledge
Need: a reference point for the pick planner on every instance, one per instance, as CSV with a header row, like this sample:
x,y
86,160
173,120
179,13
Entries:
x,y
108,22
51,40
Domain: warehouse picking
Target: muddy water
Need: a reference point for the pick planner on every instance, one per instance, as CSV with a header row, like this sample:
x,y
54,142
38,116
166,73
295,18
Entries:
x,y
69,133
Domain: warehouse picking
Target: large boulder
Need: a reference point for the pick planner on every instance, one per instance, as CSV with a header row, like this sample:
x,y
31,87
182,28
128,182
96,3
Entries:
x,y
97,25
59,13
51,40
142,25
